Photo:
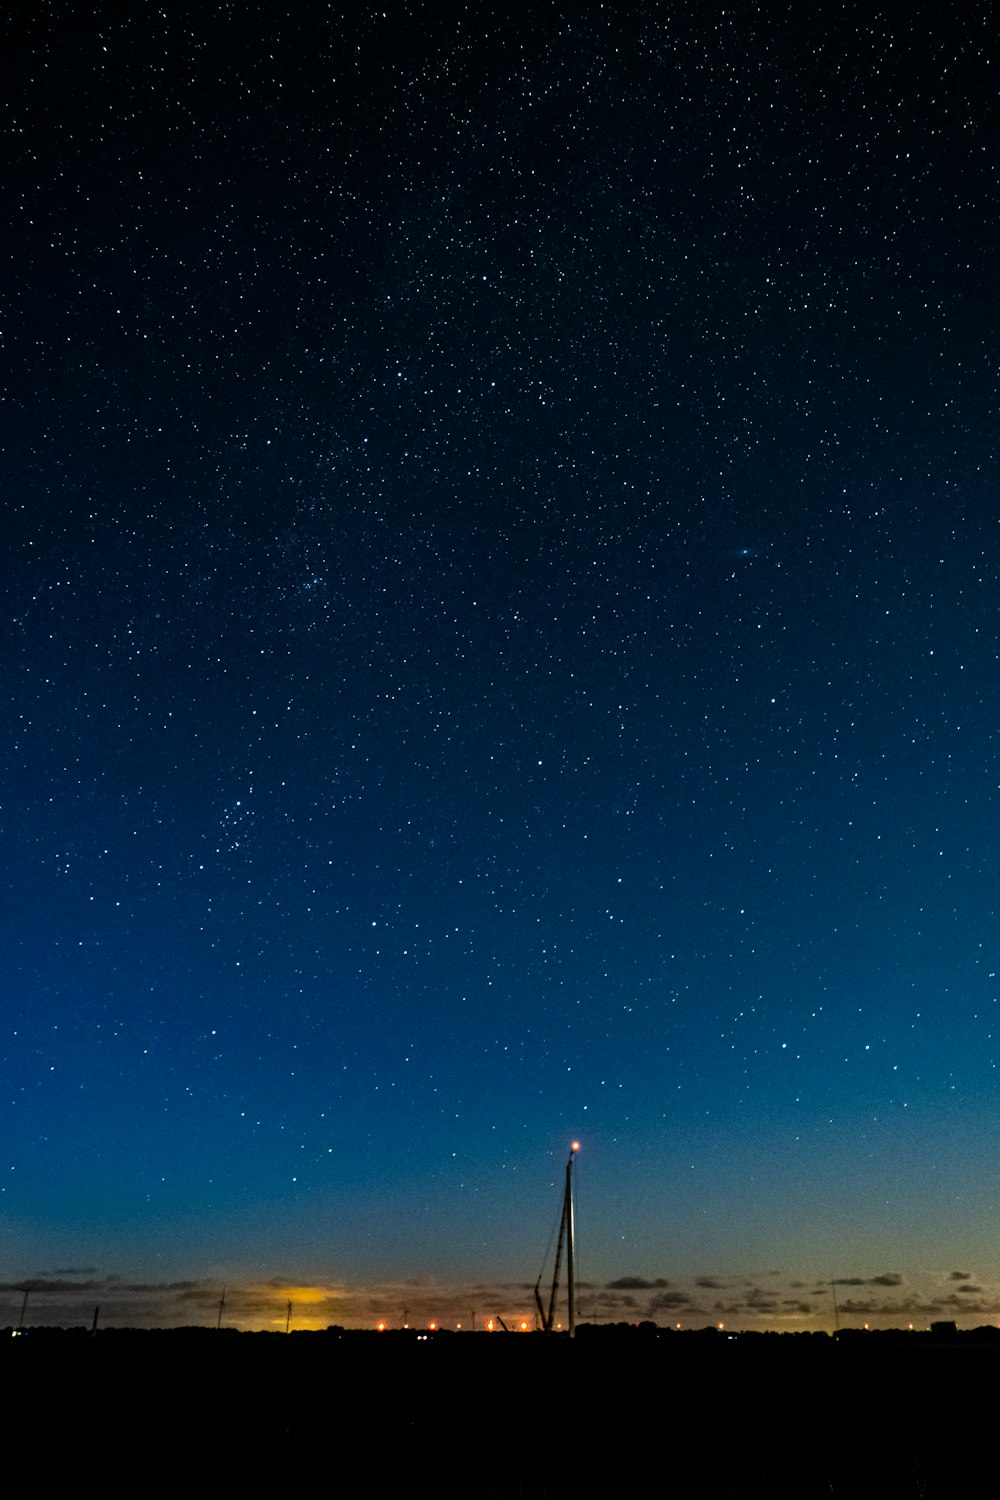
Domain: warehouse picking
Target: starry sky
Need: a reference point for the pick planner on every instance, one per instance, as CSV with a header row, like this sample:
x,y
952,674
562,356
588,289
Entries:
x,y
500,627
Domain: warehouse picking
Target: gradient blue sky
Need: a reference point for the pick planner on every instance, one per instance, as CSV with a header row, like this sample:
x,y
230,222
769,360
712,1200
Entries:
x,y
500,632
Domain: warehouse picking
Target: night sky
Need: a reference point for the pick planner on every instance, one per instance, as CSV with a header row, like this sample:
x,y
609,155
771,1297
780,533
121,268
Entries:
x,y
500,631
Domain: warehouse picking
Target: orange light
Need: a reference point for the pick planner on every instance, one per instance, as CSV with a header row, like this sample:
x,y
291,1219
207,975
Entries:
x,y
574,1146
432,1327
489,1326
380,1327
524,1327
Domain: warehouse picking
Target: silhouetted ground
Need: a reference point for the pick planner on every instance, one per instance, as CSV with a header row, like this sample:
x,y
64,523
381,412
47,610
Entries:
x,y
506,1415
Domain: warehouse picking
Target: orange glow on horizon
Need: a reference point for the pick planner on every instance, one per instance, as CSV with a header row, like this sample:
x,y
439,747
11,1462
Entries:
x,y
311,1307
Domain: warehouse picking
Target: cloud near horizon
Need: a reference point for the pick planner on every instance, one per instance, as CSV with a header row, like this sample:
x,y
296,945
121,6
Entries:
x,y
636,1284
888,1278
59,1299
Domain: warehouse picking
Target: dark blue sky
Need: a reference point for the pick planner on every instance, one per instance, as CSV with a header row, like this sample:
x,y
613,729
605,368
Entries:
x,y
500,630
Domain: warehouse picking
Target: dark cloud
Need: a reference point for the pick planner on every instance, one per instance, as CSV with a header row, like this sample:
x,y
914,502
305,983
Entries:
x,y
760,1301
636,1284
893,1312
755,1302
201,1295
605,1308
964,1307
968,1287
479,1288
671,1301
49,1284
888,1278
146,1287
713,1283
960,1276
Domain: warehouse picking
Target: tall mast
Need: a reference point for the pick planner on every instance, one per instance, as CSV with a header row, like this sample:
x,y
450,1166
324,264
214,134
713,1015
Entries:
x,y
567,1237
571,1240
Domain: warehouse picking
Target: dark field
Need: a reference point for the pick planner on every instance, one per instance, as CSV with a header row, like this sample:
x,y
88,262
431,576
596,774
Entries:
x,y
498,1416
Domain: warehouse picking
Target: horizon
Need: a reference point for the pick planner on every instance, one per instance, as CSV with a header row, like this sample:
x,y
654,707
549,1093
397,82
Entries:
x,y
766,1304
